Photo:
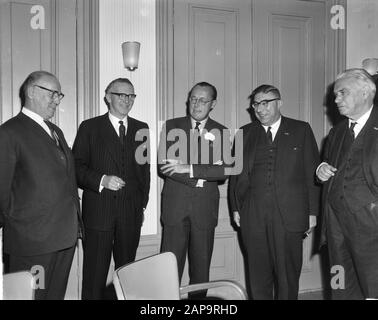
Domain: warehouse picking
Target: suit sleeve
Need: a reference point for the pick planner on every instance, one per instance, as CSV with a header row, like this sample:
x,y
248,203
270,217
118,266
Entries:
x,y
183,178
214,172
311,161
8,160
146,172
87,178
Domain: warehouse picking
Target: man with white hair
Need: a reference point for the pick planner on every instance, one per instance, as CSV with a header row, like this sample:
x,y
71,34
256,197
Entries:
x,y
350,193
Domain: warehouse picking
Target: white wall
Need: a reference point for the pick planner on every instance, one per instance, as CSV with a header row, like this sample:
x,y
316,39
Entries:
x,y
362,31
133,20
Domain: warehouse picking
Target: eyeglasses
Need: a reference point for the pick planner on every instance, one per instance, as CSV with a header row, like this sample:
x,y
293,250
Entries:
x,y
263,103
125,96
54,94
201,101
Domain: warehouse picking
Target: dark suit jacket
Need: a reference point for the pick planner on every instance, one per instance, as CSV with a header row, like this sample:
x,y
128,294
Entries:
x,y
38,191
180,196
370,162
297,158
97,152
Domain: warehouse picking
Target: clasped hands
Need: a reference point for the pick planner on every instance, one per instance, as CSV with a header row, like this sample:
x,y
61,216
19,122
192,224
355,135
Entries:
x,y
174,166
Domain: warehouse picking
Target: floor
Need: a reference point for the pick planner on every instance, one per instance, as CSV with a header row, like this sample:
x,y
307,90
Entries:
x,y
316,295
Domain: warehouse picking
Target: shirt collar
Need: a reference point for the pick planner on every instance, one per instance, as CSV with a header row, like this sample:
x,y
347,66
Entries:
x,y
363,119
274,127
202,125
115,121
31,114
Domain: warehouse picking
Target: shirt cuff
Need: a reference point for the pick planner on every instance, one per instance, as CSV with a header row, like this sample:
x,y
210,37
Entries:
x,y
191,174
317,169
101,186
200,183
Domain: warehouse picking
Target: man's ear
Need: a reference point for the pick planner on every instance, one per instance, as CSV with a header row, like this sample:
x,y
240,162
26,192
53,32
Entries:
x,y
213,103
280,103
107,97
30,92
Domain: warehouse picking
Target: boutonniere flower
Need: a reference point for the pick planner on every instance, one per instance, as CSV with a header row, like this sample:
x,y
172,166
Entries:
x,y
209,136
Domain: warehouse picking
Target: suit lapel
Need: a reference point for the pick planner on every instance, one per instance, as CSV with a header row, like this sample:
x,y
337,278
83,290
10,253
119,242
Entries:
x,y
371,136
250,143
283,136
109,138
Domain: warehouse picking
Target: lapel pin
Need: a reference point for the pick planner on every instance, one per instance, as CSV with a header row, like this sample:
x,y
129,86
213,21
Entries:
x,y
286,133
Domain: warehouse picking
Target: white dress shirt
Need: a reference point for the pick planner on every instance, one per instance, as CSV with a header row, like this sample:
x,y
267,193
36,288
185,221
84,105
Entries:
x,y
37,118
273,128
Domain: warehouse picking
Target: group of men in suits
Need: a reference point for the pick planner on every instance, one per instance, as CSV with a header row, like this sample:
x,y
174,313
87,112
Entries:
x,y
274,199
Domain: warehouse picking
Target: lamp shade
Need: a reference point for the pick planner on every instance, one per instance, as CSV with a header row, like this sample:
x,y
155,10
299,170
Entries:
x,y
130,52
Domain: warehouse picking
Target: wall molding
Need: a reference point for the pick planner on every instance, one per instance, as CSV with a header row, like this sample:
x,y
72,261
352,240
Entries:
x,y
335,47
88,59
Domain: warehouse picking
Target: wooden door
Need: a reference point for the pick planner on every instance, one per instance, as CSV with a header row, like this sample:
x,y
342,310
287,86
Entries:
x,y
238,45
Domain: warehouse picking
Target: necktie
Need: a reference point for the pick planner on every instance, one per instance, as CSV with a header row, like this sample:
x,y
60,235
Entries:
x,y
269,135
122,131
53,134
351,129
197,127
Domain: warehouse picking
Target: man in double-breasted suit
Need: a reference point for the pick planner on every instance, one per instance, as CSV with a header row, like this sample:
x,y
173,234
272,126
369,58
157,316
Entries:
x,y
112,167
190,197
275,199
350,191
38,191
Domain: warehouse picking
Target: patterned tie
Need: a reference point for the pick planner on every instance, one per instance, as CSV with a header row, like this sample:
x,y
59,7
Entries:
x,y
269,135
122,131
53,134
351,130
197,127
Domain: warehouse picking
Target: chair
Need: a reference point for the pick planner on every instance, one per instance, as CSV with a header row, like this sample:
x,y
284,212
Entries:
x,y
156,278
18,286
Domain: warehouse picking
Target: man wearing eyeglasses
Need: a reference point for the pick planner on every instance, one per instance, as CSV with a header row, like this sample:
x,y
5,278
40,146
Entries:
x,y
115,183
38,191
190,197
275,198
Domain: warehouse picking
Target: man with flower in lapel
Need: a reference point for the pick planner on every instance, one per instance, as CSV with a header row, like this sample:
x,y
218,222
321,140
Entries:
x,y
350,191
190,197
38,192
112,167
275,199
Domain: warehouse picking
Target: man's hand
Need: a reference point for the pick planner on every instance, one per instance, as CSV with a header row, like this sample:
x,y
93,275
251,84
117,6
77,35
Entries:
x,y
174,166
113,183
312,223
325,172
237,218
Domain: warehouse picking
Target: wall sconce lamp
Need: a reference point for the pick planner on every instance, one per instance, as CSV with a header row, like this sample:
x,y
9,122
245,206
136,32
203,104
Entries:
x,y
130,52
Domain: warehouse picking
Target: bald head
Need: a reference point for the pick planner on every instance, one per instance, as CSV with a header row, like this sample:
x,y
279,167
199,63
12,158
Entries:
x,y
370,65
41,93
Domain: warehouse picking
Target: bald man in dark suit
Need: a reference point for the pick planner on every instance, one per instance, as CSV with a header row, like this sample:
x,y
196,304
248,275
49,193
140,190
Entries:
x,y
38,191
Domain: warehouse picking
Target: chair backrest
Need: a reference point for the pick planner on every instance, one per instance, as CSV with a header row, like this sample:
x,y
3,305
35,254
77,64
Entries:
x,y
152,278
18,286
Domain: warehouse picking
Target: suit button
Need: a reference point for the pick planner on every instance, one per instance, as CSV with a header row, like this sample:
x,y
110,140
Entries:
x,y
115,197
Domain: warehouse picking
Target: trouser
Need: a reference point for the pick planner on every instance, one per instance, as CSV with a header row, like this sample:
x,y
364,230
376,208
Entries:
x,y
353,252
51,272
98,247
185,237
274,254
